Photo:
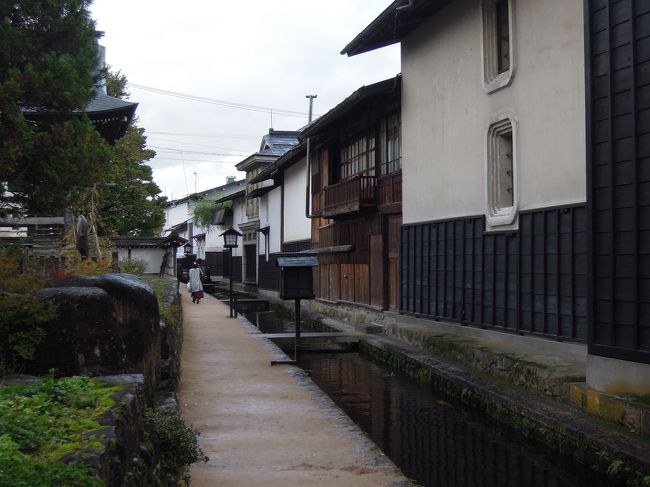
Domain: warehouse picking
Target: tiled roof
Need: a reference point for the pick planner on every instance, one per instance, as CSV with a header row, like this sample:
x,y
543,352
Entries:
x,y
105,103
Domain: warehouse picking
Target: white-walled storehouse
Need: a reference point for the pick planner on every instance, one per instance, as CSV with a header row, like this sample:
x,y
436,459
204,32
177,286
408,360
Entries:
x,y
259,216
179,216
284,225
523,126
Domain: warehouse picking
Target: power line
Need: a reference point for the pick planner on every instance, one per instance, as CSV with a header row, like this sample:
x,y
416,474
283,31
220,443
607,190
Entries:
x,y
183,151
161,139
216,136
224,103
193,161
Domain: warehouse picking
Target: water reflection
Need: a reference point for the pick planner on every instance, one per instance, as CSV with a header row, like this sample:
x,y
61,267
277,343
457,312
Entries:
x,y
269,322
432,441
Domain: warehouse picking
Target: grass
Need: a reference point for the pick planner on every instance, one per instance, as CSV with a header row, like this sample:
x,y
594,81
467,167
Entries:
x,y
40,422
162,286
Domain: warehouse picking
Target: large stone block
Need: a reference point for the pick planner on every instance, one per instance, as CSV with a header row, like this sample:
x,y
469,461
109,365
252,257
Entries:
x,y
106,325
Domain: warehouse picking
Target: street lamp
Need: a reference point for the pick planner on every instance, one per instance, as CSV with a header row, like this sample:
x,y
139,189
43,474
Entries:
x,y
187,248
230,237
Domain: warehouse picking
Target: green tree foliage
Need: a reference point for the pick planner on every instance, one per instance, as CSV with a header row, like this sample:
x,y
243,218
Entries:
x,y
48,151
205,209
21,314
132,205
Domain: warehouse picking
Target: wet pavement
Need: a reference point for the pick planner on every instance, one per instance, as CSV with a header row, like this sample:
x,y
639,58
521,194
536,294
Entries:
x,y
264,425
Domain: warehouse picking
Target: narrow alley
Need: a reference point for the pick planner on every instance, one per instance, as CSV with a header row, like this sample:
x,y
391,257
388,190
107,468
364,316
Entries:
x,y
264,425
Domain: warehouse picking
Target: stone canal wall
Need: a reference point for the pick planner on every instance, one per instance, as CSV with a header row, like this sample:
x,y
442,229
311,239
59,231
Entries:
x,y
110,327
105,324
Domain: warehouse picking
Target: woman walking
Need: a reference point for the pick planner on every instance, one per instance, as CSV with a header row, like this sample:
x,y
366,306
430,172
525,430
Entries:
x,y
195,286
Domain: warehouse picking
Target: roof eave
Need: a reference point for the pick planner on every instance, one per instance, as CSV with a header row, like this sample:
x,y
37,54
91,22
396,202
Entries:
x,y
394,24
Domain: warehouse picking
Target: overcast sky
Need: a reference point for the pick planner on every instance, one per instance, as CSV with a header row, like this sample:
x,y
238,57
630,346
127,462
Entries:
x,y
256,53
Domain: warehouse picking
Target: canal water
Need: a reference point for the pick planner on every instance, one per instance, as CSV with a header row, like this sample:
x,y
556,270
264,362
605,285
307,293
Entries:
x,y
435,442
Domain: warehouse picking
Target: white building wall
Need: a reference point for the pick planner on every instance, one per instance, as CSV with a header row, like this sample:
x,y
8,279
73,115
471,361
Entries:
x,y
239,216
177,214
213,240
296,225
274,220
152,257
446,111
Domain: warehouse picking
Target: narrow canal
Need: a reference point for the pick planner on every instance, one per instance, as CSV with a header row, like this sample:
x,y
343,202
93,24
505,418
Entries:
x,y
433,441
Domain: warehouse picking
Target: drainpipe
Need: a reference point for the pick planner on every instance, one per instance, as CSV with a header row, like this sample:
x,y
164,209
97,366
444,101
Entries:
x,y
308,182
308,177
409,4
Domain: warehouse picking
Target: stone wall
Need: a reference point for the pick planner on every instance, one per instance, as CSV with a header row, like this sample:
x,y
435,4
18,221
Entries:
x,y
106,324
130,455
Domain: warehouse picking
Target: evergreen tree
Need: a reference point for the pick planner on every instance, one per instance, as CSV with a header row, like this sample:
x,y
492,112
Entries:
x,y
131,206
49,154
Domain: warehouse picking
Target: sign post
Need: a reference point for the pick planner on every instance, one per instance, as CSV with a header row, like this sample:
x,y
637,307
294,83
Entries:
x,y
296,282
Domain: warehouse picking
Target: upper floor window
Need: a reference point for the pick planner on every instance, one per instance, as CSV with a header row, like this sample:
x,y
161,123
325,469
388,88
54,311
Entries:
x,y
498,59
358,158
501,171
391,144
252,205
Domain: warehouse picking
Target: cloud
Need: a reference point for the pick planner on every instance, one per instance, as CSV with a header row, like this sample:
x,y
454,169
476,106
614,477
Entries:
x,y
269,54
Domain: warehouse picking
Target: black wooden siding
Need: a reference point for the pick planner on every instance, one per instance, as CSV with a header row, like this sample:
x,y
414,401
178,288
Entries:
x,y
268,276
237,268
217,262
532,280
297,246
618,169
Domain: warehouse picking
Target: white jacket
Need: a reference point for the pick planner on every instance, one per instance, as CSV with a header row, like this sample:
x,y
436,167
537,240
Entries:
x,y
195,280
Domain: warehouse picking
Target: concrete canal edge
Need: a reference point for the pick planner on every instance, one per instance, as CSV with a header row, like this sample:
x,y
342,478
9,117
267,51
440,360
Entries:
x,y
561,428
542,415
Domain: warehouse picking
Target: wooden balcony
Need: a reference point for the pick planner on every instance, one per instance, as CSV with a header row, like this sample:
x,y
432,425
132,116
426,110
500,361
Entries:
x,y
349,196
390,193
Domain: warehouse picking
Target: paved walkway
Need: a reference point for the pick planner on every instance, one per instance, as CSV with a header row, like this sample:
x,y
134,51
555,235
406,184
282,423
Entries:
x,y
264,425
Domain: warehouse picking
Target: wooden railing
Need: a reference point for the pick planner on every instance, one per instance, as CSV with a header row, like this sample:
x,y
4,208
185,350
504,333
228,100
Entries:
x,y
350,195
390,189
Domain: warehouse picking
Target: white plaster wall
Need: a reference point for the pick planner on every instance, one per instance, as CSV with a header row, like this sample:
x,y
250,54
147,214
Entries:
x,y
618,376
153,257
239,216
213,240
176,214
274,220
445,110
296,225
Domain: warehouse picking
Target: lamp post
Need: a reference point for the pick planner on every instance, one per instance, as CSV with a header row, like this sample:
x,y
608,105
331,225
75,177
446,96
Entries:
x,y
187,251
230,237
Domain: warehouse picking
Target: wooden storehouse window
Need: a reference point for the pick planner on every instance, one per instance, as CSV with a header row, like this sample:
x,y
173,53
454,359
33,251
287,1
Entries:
x,y
358,158
252,205
391,144
501,172
502,20
498,45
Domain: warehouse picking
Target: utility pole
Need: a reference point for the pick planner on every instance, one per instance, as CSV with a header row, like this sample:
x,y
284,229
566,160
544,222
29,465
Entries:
x,y
195,191
311,105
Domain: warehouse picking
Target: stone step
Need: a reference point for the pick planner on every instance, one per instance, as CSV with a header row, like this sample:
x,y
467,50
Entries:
x,y
631,412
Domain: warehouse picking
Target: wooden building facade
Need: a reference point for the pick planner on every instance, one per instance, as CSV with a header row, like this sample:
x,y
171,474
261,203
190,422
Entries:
x,y
356,197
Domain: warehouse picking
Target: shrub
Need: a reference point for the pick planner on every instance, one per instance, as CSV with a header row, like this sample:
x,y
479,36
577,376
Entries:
x,y
179,444
133,266
21,313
